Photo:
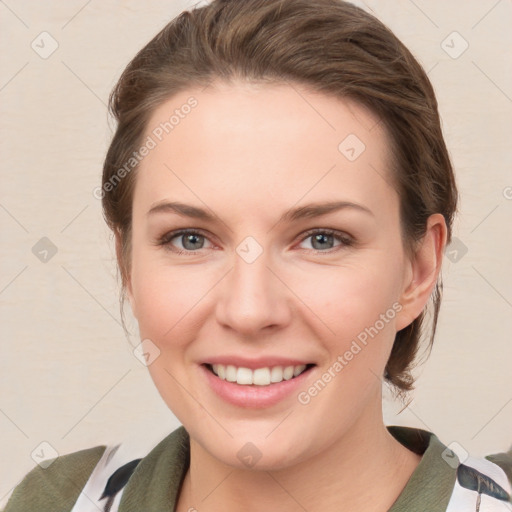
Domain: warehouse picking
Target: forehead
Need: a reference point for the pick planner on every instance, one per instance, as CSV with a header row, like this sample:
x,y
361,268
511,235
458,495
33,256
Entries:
x,y
263,142
260,109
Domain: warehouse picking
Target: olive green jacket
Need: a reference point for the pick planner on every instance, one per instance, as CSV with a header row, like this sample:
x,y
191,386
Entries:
x,y
440,483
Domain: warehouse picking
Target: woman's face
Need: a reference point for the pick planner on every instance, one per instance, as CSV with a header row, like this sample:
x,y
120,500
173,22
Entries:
x,y
270,277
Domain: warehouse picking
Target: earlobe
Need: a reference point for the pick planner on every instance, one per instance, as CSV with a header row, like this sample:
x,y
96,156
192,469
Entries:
x,y
423,270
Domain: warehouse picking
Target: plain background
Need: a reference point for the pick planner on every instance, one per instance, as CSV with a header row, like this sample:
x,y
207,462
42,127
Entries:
x,y
68,375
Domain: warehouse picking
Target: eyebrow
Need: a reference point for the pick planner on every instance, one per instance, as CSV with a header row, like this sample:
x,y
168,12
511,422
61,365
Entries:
x,y
311,210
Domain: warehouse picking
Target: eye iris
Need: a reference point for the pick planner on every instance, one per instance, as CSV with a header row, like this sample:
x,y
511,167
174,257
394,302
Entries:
x,y
319,237
191,238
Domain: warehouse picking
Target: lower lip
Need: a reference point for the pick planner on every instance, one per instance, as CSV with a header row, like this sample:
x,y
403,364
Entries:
x,y
253,396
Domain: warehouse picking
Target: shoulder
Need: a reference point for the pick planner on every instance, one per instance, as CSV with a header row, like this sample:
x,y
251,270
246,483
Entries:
x,y
483,482
448,478
56,483
504,461
138,473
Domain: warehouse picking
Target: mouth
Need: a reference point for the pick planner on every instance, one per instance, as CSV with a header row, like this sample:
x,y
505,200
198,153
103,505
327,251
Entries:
x,y
264,376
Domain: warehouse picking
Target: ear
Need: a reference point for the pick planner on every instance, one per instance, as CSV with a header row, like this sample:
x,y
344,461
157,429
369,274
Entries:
x,y
422,271
124,274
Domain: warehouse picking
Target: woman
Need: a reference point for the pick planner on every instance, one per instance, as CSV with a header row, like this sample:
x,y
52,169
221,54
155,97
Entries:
x,y
281,197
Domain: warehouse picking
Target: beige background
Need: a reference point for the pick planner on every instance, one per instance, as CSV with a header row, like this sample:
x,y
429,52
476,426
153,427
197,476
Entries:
x,y
68,375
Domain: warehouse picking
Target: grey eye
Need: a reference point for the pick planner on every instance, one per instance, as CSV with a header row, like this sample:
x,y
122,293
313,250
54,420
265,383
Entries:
x,y
192,241
322,241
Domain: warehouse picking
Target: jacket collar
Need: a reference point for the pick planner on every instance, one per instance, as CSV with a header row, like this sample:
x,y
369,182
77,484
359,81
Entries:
x,y
157,479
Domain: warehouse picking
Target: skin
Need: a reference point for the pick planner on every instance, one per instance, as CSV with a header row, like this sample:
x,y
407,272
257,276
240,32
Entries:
x,y
247,153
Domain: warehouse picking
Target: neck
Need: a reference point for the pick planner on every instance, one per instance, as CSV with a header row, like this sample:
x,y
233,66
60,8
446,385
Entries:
x,y
367,457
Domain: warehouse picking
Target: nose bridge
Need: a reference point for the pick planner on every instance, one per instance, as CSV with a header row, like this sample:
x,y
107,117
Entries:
x,y
252,297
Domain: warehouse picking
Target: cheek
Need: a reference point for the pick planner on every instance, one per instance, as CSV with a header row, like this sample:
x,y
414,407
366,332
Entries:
x,y
351,298
172,300
164,299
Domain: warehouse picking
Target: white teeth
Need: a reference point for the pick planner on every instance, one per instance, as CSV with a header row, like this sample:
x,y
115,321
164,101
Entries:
x,y
276,374
230,373
298,370
244,376
260,376
288,373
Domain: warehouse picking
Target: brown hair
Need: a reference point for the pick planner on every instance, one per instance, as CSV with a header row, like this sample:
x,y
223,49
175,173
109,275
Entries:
x,y
334,48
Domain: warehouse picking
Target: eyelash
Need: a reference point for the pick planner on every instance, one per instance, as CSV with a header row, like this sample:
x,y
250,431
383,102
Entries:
x,y
345,240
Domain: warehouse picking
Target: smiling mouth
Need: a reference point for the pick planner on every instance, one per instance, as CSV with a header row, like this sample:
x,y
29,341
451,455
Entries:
x,y
265,376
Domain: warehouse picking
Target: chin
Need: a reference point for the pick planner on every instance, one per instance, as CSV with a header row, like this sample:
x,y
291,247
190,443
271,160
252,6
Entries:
x,y
259,452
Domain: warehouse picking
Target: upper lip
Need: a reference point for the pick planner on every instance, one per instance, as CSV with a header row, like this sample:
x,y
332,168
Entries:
x,y
260,362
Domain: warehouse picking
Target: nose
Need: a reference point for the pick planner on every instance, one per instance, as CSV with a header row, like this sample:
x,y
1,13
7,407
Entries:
x,y
253,300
